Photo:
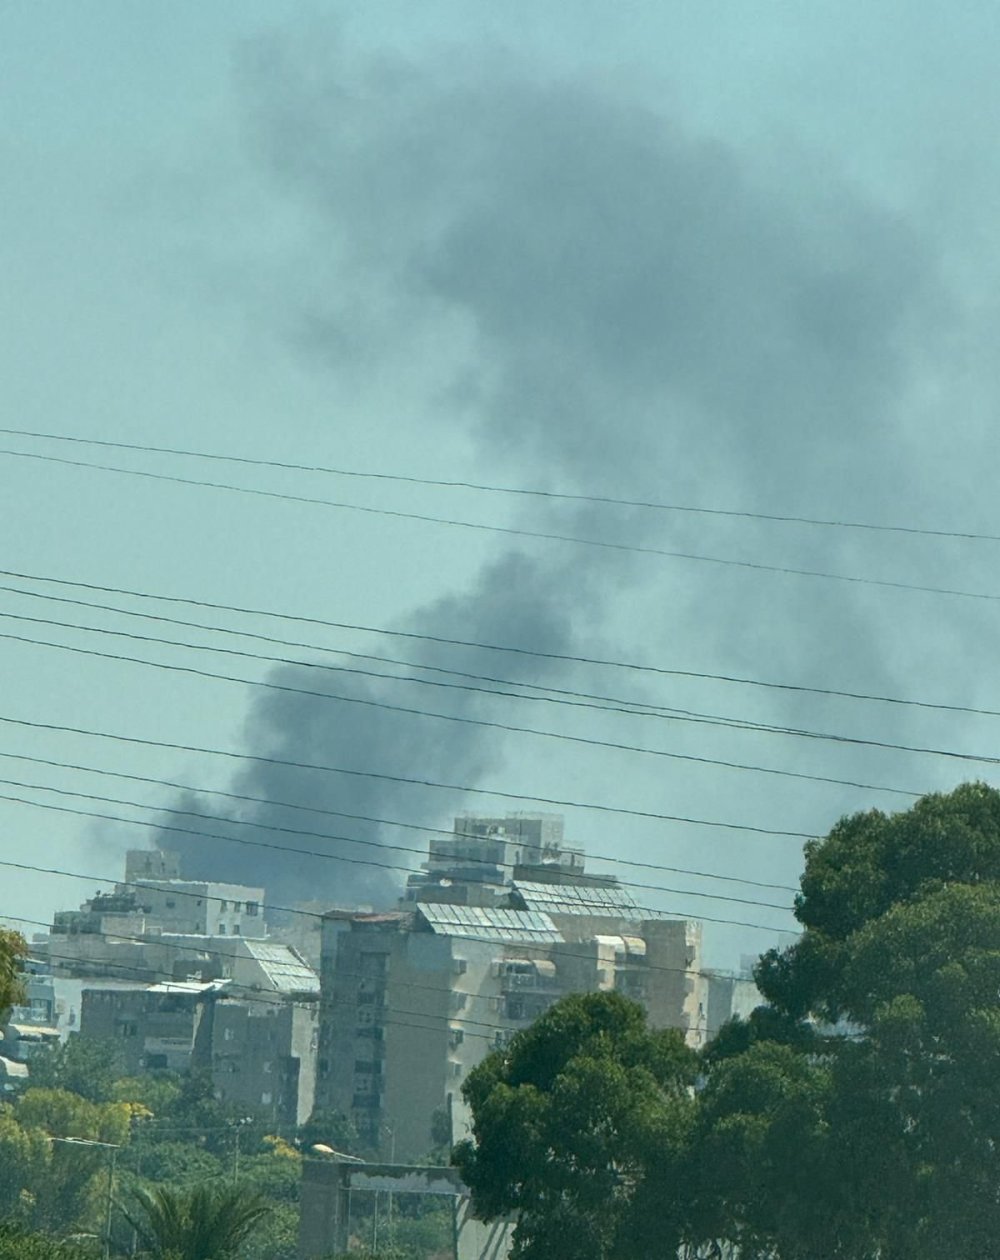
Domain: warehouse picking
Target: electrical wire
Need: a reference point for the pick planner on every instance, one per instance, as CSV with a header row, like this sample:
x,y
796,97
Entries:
x,y
326,856
507,727
546,695
497,794
508,649
510,530
529,492
379,844
208,835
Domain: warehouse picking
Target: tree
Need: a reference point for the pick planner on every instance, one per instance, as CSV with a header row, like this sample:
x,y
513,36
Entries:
x,y
80,1065
202,1224
46,1183
13,950
856,1116
879,1136
569,1120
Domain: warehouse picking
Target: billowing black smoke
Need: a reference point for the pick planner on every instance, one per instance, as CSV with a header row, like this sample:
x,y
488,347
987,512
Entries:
x,y
615,303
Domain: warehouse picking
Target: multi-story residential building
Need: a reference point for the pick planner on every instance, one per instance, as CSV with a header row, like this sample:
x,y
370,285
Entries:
x,y
50,1002
180,975
112,932
258,1041
477,862
411,1000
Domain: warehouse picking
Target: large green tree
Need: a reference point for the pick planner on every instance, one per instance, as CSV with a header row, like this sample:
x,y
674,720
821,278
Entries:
x,y
858,1115
855,1116
568,1119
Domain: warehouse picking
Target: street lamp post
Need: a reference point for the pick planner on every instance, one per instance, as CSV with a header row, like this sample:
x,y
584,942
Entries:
x,y
236,1147
113,1148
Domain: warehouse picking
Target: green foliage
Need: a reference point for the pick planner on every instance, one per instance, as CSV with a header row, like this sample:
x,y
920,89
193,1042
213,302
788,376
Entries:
x,y
331,1128
158,1092
20,1244
884,1141
13,950
568,1120
49,1184
277,1237
81,1066
429,1233
174,1162
854,1117
205,1223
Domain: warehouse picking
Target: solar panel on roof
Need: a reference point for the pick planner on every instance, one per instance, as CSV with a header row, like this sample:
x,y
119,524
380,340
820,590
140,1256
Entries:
x,y
489,924
576,899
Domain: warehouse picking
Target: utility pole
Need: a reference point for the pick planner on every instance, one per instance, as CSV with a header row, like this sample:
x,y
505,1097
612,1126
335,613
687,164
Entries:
x,y
113,1148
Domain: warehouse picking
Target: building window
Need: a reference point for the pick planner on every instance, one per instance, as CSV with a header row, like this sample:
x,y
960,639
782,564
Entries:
x,y
222,929
252,909
169,905
236,929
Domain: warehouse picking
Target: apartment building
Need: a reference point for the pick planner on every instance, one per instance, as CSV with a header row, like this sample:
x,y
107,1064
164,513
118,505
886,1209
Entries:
x,y
413,999
110,932
180,975
258,1044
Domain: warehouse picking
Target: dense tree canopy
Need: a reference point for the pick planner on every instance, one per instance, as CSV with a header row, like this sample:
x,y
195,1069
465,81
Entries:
x,y
569,1119
855,1116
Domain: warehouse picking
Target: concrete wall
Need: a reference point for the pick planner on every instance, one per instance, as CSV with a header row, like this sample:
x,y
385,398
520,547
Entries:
x,y
324,1228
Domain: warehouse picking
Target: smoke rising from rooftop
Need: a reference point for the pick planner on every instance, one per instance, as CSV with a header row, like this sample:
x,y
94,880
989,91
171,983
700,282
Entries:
x,y
612,302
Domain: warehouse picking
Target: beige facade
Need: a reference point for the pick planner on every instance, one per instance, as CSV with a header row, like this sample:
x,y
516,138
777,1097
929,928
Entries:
x,y
413,999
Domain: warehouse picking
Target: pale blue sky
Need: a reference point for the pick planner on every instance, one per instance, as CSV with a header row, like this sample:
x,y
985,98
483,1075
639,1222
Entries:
x,y
359,236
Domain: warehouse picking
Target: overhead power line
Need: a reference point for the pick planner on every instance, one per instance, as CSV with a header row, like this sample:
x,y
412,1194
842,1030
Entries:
x,y
541,693
451,834
507,727
247,994
495,794
304,913
209,835
508,649
242,993
508,530
324,855
563,697
520,491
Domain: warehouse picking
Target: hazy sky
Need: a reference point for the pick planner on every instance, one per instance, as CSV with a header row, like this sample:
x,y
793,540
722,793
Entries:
x,y
730,256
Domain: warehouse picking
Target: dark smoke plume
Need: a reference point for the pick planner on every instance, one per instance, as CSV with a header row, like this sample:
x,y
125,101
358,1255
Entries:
x,y
616,303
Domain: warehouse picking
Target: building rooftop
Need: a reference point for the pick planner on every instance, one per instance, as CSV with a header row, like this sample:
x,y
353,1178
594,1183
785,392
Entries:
x,y
287,972
579,899
487,924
